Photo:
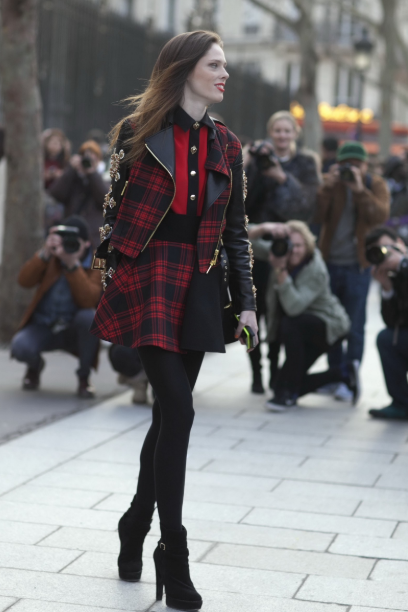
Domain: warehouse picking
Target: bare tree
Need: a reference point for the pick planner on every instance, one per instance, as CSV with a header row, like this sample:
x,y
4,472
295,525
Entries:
x,y
22,119
202,16
395,56
304,29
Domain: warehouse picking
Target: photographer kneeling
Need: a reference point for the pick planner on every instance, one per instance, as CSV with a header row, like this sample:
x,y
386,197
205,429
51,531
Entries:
x,y
302,313
388,254
63,307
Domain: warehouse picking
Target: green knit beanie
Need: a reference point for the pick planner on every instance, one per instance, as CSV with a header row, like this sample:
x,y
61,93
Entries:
x,y
351,150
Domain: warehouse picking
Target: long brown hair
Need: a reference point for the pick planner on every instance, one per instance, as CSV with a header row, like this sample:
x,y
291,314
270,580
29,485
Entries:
x,y
165,90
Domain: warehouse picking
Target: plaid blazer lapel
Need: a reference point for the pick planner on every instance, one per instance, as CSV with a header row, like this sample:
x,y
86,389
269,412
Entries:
x,y
218,172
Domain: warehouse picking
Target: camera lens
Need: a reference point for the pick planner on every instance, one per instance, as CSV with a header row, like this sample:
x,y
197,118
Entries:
x,y
70,243
280,247
376,255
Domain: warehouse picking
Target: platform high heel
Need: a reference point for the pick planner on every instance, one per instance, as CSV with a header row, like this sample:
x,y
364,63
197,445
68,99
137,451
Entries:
x,y
132,534
173,573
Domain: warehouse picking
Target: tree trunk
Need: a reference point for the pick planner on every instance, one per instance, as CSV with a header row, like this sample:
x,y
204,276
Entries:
x,y
312,127
22,120
387,76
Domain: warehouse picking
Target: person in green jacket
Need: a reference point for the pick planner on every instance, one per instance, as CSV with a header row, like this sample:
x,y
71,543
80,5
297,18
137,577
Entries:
x,y
302,313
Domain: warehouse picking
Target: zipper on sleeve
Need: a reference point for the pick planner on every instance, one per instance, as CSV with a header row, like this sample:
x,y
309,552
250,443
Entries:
x,y
217,250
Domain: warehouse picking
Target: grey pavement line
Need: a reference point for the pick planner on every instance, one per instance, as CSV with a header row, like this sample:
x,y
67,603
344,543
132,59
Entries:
x,y
374,566
300,586
202,468
335,536
207,552
92,403
65,603
357,507
328,482
396,527
275,486
98,502
44,537
117,435
81,554
247,514
13,604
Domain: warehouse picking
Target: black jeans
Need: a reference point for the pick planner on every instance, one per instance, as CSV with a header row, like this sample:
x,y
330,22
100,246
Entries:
x,y
304,338
28,344
260,274
164,452
125,360
394,360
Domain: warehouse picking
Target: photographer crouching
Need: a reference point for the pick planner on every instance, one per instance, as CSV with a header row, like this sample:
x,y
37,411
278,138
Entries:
x,y
302,313
388,254
63,307
282,185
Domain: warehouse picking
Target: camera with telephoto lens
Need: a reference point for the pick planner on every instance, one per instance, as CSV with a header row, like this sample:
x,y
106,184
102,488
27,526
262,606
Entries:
x,y
86,161
347,174
376,255
264,160
280,246
69,235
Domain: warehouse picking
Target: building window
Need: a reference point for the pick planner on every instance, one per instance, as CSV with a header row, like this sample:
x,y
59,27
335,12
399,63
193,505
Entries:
x,y
347,86
293,78
251,28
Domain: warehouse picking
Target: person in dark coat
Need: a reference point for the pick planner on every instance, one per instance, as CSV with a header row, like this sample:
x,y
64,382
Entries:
x,y
81,189
283,191
392,342
176,206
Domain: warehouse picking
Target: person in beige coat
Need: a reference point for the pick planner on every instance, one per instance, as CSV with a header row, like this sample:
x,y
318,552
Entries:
x,y
302,313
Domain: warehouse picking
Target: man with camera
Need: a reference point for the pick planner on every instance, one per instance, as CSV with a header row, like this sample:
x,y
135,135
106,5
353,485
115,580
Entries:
x,y
349,204
388,254
81,189
63,307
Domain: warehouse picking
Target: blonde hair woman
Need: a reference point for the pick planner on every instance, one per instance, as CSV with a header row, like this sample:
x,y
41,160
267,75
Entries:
x,y
302,313
285,190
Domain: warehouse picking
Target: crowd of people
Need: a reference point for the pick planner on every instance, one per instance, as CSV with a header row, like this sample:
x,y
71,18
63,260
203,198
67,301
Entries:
x,y
316,225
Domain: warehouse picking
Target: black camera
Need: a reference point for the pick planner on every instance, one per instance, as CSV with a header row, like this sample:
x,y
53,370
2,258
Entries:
x,y
69,235
86,161
376,255
280,246
347,174
263,160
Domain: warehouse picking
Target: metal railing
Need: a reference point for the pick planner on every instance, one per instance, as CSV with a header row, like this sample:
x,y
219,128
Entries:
x,y
90,59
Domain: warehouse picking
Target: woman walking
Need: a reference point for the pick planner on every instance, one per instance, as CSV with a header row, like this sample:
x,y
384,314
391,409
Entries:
x,y
180,178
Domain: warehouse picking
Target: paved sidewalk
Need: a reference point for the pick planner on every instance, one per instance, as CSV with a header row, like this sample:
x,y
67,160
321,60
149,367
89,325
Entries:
x,y
301,512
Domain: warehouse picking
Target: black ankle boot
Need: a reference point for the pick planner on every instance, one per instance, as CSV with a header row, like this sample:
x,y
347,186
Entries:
x,y
172,572
257,384
132,533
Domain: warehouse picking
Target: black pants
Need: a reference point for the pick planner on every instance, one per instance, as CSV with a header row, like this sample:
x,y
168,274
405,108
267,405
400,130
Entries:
x,y
260,274
28,344
164,452
304,338
125,360
393,351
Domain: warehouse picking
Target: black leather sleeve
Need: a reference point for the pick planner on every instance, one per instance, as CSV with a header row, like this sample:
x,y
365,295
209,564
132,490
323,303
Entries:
x,y
119,172
236,242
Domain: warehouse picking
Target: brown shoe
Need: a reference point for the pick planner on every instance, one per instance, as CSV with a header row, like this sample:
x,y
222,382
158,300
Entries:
x,y
85,390
31,380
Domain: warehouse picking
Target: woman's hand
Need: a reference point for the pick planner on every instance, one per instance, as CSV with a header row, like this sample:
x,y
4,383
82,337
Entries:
x,y
276,172
247,317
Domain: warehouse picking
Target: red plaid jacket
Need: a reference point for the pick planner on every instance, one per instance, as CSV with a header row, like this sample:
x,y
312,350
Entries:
x,y
148,189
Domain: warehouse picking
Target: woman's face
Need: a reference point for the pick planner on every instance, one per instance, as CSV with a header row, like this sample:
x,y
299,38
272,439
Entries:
x,y
299,250
282,135
54,146
207,81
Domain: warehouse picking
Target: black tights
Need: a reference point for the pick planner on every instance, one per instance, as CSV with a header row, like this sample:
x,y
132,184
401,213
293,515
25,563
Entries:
x,y
164,452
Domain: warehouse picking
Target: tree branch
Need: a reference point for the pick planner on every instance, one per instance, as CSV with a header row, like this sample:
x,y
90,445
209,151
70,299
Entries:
x,y
284,19
359,15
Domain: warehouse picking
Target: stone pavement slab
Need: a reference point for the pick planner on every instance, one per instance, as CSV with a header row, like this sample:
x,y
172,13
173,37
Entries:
x,y
298,512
